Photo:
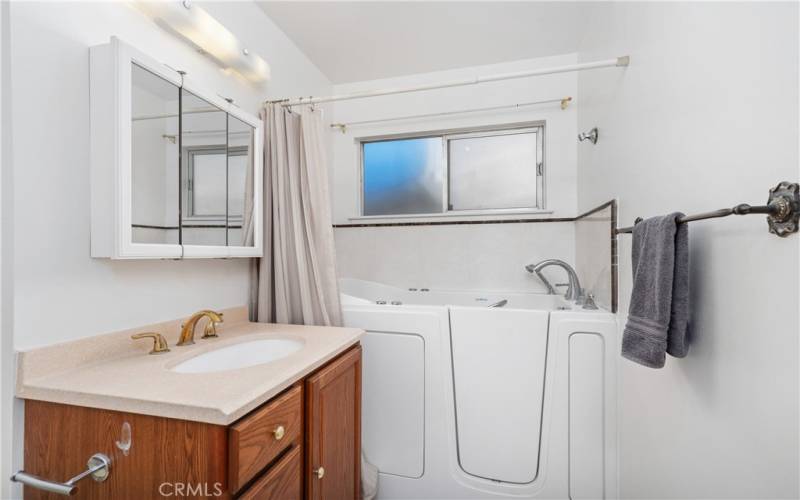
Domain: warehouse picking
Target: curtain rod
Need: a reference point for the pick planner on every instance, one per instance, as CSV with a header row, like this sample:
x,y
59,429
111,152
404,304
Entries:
x,y
343,126
618,61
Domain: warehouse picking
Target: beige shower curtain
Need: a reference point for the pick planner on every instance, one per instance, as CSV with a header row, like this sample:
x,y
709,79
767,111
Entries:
x,y
295,281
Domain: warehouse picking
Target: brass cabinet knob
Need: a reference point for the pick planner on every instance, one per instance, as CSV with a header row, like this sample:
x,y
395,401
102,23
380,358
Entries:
x,y
279,432
160,345
319,472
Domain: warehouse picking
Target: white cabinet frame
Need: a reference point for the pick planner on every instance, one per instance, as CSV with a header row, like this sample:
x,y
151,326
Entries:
x,y
111,158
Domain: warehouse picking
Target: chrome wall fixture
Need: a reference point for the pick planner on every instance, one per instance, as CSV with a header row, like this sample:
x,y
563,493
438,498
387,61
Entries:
x,y
782,210
98,467
590,136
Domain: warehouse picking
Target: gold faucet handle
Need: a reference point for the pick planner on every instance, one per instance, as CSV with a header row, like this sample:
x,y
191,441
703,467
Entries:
x,y
210,331
214,318
160,345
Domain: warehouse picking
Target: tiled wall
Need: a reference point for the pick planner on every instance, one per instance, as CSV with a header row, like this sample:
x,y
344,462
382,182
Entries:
x,y
596,253
488,257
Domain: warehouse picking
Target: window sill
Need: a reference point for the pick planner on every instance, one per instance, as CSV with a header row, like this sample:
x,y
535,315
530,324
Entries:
x,y
463,217
450,215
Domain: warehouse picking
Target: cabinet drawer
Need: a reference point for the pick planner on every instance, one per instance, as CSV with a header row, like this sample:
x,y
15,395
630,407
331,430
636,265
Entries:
x,y
255,440
282,482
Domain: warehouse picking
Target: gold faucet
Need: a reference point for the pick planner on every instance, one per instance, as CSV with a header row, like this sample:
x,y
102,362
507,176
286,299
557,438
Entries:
x,y
159,343
187,329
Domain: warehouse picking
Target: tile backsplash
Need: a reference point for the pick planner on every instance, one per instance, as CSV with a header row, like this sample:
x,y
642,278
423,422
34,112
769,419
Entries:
x,y
596,253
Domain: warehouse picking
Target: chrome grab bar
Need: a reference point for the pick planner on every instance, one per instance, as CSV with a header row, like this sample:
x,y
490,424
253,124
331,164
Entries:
x,y
98,466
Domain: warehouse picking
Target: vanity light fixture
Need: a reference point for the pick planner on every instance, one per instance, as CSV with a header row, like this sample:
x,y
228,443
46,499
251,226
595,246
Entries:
x,y
192,23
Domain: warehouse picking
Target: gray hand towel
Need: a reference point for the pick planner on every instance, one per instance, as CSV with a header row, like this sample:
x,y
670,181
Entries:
x,y
678,333
658,315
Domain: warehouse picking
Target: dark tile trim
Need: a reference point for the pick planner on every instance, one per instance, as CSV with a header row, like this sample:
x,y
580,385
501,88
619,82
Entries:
x,y
612,204
614,259
463,222
454,222
188,226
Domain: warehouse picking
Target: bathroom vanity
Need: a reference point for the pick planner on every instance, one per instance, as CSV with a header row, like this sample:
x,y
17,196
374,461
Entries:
x,y
289,428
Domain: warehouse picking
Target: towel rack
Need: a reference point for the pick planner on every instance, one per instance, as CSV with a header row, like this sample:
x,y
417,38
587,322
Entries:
x,y
782,209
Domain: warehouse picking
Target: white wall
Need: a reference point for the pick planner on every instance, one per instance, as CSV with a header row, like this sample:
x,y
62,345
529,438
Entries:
x,y
705,117
466,255
489,257
60,292
560,150
8,438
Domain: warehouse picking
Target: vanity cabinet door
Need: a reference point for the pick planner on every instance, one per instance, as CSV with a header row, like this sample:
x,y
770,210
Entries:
x,y
204,167
134,123
333,429
221,177
242,186
154,153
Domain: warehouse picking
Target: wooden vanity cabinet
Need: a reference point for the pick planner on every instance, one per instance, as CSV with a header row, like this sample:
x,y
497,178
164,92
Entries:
x,y
333,430
275,452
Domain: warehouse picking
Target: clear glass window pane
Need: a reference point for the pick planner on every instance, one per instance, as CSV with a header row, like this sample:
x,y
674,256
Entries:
x,y
208,174
403,176
490,172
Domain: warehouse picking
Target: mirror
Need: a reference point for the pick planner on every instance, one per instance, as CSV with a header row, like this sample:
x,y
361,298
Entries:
x,y
240,182
154,153
204,164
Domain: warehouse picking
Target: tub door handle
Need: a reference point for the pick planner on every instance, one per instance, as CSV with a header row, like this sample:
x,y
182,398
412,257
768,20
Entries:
x,y
98,466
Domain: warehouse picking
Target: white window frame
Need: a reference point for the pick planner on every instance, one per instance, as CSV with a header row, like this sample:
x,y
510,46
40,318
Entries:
x,y
446,136
190,152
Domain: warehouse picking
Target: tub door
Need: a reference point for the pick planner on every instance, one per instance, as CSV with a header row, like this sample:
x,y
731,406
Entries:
x,y
498,372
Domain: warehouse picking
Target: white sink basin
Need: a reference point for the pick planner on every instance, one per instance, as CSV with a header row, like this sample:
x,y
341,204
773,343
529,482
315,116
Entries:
x,y
241,355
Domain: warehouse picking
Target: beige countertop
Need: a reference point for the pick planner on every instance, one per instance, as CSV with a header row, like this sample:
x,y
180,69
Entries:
x,y
113,372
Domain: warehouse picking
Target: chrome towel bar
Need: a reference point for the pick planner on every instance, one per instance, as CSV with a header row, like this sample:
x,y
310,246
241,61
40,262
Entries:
x,y
782,209
98,466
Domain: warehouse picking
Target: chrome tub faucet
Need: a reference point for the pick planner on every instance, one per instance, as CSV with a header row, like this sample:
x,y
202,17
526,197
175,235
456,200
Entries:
x,y
574,290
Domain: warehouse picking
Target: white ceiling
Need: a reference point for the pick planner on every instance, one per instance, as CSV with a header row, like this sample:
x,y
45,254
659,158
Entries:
x,y
354,41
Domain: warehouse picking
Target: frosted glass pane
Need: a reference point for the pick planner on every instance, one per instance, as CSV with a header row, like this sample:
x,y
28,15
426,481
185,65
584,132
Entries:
x,y
237,173
496,171
403,176
208,185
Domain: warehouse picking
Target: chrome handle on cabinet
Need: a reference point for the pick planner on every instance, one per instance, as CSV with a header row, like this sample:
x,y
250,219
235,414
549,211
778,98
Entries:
x,y
98,466
319,472
279,432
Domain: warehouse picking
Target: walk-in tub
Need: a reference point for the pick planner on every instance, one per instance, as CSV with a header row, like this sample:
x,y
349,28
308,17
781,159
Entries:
x,y
483,395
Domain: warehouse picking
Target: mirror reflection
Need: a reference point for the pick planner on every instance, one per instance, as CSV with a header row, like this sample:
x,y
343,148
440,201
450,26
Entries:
x,y
204,161
240,182
154,154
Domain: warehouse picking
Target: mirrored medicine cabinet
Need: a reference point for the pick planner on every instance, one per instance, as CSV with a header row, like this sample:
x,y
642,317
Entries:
x,y
175,169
